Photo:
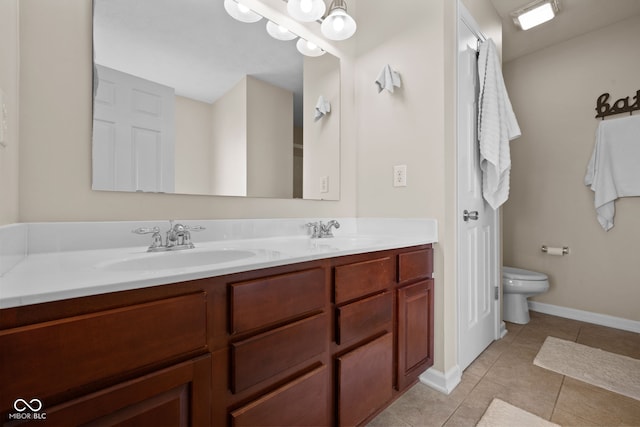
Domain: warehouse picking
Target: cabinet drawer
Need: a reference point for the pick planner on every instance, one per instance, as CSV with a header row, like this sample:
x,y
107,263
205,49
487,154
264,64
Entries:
x,y
363,278
365,380
256,359
47,358
175,396
415,265
364,318
262,302
302,402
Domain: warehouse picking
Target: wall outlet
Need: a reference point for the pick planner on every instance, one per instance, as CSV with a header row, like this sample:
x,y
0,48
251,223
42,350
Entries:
x,y
400,176
324,184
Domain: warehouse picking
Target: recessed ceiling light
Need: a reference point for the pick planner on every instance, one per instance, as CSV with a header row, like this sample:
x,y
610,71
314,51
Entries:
x,y
535,13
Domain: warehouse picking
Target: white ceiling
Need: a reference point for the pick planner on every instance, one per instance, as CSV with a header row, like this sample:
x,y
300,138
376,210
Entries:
x,y
576,17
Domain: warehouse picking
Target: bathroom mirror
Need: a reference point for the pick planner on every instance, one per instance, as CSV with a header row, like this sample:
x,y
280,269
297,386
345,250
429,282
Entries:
x,y
188,100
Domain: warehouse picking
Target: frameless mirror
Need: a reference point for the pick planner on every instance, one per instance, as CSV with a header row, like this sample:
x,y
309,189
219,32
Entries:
x,y
188,100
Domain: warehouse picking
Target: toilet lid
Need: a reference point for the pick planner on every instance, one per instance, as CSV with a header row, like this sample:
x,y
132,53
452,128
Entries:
x,y
522,274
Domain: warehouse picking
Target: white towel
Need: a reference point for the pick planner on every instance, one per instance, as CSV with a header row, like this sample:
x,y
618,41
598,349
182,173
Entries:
x,y
614,168
323,107
497,125
388,79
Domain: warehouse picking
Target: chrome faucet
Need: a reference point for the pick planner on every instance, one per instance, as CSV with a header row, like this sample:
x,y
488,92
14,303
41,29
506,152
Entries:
x,y
320,230
178,237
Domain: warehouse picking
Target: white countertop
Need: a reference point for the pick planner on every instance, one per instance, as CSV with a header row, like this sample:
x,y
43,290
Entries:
x,y
50,275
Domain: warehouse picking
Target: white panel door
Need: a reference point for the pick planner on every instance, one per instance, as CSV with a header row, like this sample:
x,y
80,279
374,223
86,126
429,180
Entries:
x,y
478,260
133,134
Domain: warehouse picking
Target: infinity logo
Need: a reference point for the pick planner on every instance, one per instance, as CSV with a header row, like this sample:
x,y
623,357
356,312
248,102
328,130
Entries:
x,y
21,405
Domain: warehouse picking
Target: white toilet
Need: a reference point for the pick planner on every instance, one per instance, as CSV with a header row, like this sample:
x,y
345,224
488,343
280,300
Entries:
x,y
518,285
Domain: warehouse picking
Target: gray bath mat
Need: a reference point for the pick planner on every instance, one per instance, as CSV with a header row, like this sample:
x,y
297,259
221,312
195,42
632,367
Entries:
x,y
502,414
614,372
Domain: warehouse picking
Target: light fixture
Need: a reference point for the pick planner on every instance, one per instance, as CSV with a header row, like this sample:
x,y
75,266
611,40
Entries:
x,y
279,32
241,12
308,48
536,13
338,25
306,10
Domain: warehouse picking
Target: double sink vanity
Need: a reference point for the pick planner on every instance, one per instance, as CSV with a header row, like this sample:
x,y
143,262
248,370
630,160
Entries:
x,y
258,324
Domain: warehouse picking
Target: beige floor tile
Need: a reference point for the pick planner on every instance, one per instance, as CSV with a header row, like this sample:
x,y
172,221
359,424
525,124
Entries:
x,y
609,339
566,419
485,361
597,405
529,387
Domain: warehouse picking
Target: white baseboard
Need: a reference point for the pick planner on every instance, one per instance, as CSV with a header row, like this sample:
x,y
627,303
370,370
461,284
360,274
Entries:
x,y
442,382
586,316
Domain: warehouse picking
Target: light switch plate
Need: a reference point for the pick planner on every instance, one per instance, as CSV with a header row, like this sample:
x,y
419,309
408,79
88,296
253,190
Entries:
x,y
324,184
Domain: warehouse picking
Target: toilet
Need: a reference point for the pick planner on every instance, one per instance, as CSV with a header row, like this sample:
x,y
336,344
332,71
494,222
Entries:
x,y
518,285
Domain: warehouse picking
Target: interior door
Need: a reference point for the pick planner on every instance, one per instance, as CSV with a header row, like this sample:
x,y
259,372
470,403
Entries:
x,y
133,134
477,222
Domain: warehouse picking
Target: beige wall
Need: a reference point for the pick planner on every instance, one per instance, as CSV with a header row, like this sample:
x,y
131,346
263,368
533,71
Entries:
x,y
554,94
321,139
193,140
9,85
55,138
269,140
414,126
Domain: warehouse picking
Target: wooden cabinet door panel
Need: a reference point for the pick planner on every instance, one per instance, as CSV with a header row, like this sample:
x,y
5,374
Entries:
x,y
364,318
260,357
365,380
266,301
359,279
415,331
177,396
302,402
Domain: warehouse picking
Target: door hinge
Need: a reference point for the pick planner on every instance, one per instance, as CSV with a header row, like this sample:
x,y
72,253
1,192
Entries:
x,y
496,293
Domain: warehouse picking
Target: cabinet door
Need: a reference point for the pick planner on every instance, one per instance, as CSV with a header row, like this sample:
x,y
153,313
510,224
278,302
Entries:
x,y
415,331
176,396
365,380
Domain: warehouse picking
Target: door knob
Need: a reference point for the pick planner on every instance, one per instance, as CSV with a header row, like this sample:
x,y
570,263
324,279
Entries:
x,y
473,215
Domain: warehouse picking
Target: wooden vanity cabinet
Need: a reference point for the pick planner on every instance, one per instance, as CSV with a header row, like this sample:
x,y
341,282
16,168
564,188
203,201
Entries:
x,y
319,343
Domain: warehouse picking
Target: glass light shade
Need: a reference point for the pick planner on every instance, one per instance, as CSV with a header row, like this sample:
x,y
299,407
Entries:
x,y
308,48
279,32
338,25
241,12
306,10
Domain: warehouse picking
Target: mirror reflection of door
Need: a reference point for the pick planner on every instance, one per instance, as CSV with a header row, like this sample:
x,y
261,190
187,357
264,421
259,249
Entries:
x,y
133,133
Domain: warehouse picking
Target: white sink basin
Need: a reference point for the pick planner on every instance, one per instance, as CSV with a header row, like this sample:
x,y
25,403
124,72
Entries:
x,y
173,260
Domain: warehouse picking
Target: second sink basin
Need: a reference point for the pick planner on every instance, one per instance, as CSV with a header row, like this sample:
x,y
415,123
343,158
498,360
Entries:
x,y
174,260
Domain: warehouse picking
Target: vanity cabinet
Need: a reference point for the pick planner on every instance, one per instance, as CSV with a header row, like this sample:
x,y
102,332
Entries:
x,y
319,343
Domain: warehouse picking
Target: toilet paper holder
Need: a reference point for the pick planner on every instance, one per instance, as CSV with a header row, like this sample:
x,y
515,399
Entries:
x,y
565,249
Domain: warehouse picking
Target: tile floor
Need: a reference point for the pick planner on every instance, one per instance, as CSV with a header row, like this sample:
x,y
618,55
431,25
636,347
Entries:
x,y
505,370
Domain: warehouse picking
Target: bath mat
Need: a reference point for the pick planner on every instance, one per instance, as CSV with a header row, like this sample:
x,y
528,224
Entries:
x,y
614,372
502,414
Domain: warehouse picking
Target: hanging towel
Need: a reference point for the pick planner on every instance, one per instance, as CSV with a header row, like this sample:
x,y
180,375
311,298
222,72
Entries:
x,y
388,79
497,125
323,107
614,168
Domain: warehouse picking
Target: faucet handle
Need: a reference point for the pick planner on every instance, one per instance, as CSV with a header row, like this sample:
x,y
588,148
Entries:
x,y
146,230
